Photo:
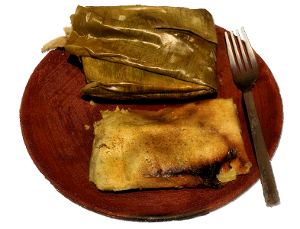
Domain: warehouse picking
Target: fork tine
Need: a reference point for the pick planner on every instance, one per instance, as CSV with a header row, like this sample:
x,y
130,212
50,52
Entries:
x,y
231,55
247,66
249,49
237,54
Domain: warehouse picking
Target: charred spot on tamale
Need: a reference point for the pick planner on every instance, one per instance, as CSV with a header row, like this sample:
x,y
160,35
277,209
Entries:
x,y
207,172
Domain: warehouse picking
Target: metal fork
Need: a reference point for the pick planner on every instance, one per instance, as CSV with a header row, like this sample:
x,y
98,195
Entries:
x,y
244,77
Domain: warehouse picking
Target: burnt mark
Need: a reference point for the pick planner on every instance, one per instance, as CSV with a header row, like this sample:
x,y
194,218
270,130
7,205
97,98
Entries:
x,y
207,172
159,173
101,146
232,154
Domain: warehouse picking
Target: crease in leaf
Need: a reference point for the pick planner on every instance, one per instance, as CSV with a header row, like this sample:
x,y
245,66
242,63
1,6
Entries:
x,y
133,52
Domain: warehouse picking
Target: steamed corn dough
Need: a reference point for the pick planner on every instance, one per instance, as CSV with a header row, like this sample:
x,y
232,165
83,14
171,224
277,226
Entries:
x,y
193,145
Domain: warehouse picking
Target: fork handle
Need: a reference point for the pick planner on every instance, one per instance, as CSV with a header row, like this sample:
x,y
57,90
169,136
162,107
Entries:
x,y
262,157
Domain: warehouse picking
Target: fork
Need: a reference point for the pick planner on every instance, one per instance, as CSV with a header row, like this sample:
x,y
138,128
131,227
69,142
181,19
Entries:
x,y
244,76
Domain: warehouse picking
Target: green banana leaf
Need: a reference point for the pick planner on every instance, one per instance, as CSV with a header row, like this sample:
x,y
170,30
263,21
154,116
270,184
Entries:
x,y
135,52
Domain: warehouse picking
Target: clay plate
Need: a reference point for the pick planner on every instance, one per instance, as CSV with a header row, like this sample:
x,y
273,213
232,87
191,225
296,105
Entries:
x,y
53,116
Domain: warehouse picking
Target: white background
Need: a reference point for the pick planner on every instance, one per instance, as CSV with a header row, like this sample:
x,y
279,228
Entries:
x,y
28,200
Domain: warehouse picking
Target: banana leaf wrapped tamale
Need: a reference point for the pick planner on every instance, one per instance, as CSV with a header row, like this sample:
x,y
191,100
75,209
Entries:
x,y
135,52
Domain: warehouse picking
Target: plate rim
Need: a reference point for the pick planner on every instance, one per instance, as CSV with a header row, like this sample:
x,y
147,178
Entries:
x,y
150,218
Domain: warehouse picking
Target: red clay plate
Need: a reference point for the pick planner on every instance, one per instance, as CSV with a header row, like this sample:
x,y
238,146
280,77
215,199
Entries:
x,y
53,116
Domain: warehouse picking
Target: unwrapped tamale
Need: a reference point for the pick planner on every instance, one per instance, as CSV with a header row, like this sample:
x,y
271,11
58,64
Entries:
x,y
135,52
189,146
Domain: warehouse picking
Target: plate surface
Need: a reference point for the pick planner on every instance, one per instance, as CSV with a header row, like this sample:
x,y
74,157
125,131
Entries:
x,y
53,116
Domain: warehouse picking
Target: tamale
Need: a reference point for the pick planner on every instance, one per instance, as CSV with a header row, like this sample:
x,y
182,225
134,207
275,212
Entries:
x,y
136,52
197,144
